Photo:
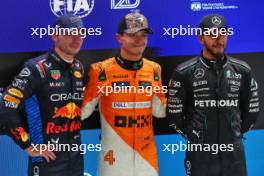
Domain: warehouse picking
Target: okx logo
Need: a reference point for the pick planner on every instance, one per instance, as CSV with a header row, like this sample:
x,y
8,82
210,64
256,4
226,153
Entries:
x,y
80,8
124,4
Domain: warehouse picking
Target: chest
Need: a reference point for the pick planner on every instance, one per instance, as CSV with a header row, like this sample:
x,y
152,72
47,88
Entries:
x,y
210,87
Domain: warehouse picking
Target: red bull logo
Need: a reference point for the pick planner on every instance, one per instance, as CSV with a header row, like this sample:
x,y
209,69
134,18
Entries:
x,y
52,128
20,133
70,111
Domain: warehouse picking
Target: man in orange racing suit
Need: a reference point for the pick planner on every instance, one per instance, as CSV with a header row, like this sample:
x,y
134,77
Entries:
x,y
129,91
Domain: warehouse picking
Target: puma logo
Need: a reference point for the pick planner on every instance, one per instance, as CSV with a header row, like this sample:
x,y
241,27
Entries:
x,y
196,133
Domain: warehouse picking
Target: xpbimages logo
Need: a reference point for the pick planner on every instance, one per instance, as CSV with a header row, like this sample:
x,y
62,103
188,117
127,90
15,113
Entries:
x,y
173,32
126,88
212,148
57,30
55,145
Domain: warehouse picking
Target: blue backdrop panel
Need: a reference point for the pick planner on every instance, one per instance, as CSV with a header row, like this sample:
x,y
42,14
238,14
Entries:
x,y
245,17
14,161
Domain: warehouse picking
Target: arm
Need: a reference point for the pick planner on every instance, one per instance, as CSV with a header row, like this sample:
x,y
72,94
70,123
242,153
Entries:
x,y
22,87
12,100
158,99
91,93
249,103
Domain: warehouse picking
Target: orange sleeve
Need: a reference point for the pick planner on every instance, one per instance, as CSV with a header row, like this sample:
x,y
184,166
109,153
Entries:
x,y
91,93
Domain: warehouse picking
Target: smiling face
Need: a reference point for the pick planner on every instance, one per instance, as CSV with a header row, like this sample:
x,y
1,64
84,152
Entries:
x,y
132,45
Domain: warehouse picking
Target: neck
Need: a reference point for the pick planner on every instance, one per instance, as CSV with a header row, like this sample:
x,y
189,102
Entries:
x,y
64,56
130,57
210,56
207,55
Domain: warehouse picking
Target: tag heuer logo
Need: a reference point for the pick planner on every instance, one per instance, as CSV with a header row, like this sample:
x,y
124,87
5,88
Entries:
x,y
55,74
77,74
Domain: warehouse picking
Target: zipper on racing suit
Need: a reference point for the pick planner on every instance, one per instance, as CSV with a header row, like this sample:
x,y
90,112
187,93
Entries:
x,y
134,130
217,70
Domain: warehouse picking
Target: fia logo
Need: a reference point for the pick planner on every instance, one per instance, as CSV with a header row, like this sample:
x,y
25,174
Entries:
x,y
124,4
80,8
196,6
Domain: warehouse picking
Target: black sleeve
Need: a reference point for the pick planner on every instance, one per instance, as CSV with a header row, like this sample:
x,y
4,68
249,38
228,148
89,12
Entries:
x,y
12,100
176,100
249,102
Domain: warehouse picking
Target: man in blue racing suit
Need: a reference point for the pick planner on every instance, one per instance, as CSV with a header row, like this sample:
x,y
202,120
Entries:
x,y
50,89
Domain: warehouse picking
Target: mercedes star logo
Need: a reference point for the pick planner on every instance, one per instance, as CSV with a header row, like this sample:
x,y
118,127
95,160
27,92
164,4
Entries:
x,y
216,20
199,73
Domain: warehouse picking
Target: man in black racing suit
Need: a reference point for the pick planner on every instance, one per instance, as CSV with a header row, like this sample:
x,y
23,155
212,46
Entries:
x,y
50,90
213,100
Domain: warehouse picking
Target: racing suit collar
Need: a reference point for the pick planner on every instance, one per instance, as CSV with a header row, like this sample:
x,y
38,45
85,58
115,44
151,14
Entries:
x,y
129,65
60,61
214,64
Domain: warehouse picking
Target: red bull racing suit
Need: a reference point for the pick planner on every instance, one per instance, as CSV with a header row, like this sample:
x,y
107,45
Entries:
x,y
213,103
51,92
128,146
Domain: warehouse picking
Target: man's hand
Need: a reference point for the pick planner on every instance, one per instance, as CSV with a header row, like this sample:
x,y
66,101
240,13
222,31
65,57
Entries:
x,y
38,151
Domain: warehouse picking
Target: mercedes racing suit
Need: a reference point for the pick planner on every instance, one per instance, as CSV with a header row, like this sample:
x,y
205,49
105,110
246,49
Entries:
x,y
51,93
213,102
128,146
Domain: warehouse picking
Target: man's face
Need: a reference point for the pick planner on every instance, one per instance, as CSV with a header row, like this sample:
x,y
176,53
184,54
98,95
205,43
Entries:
x,y
69,44
133,44
214,44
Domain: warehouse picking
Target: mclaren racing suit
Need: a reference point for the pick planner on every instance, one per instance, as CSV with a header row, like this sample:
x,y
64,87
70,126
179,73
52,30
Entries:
x,y
213,103
51,93
128,146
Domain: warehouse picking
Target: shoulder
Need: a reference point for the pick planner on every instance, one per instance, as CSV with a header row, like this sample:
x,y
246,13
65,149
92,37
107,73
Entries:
x,y
35,65
239,63
37,60
151,64
187,65
102,65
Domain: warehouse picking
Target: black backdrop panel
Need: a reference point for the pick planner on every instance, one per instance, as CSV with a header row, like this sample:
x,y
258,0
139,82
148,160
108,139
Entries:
x,y
11,63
